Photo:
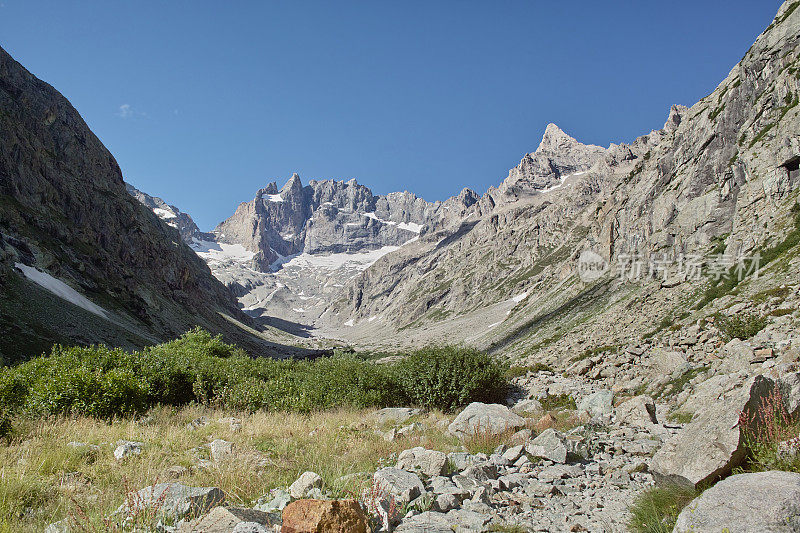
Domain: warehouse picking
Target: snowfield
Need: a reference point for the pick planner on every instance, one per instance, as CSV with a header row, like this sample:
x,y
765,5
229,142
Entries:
x,y
61,289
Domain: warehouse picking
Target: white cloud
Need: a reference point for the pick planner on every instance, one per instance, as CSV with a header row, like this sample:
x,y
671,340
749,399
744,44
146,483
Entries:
x,y
125,111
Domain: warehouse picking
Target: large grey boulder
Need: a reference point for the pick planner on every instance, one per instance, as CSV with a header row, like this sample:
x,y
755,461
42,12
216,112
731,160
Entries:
x,y
550,444
304,484
227,519
712,443
746,503
173,500
393,415
638,411
485,419
403,486
429,463
598,404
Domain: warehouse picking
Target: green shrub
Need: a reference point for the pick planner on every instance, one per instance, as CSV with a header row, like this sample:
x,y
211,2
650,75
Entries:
x,y
553,402
656,510
449,377
741,326
201,368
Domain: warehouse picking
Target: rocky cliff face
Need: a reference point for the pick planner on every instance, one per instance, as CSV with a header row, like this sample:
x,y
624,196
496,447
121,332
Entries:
x,y
71,234
323,217
719,176
171,215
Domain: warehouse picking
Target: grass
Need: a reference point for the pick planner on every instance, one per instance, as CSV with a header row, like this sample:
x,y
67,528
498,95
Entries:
x,y
555,402
680,417
765,428
656,510
677,384
591,352
42,480
517,371
743,326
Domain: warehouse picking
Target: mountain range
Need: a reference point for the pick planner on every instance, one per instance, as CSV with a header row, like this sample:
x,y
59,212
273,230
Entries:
x,y
330,261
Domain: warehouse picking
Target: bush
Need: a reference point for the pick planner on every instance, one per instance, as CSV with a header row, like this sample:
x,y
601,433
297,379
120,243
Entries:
x,y
449,377
656,510
201,368
741,326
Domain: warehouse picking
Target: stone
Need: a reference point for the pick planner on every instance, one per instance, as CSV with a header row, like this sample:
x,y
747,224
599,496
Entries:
x,y
307,481
545,422
324,516
520,437
485,419
429,463
393,415
461,460
638,411
514,453
224,519
62,526
221,450
550,444
127,448
252,527
712,444
761,501
174,500
427,522
598,404
276,502
401,485
529,407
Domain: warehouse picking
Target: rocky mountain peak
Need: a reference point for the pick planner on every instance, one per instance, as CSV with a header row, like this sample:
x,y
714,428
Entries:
x,y
676,114
555,140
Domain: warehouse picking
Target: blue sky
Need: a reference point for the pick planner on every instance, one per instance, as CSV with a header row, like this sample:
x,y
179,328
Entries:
x,y
203,103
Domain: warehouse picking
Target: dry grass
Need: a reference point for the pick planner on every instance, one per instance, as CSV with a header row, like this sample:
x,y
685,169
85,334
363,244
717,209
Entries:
x,y
43,480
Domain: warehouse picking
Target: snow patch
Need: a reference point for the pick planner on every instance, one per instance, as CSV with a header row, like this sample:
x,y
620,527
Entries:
x,y
61,289
220,251
495,324
277,198
519,297
349,323
164,213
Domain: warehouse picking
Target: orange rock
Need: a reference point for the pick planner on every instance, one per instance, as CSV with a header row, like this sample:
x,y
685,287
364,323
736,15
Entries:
x,y
547,421
324,516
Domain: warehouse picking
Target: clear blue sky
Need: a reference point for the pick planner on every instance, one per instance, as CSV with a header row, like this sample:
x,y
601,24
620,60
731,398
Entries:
x,y
202,103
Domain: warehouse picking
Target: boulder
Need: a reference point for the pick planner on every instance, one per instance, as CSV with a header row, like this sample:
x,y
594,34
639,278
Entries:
x,y
393,415
304,484
324,516
251,527
427,522
127,448
221,450
225,519
401,485
173,500
638,411
598,404
528,407
761,501
429,463
550,444
485,419
712,444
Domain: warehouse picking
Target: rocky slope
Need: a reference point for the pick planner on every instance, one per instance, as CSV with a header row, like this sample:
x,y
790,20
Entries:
x,y
80,260
719,176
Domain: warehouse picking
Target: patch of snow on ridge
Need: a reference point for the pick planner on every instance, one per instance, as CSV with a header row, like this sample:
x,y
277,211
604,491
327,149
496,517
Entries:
x,y
349,323
220,251
410,226
61,289
277,198
164,213
519,297
356,261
